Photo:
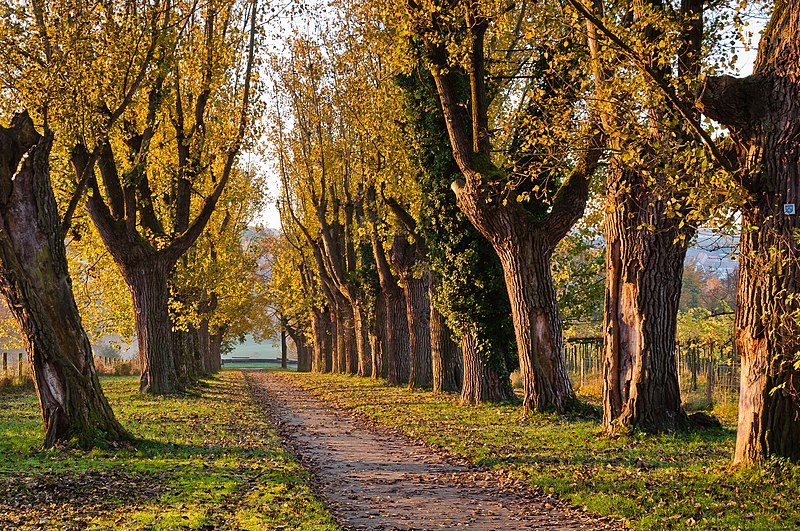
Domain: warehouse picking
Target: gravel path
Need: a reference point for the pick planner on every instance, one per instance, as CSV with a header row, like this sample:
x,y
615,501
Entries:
x,y
375,478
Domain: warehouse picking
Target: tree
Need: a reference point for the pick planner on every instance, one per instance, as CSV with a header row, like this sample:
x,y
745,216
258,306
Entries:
x,y
35,282
166,153
467,289
522,225
760,112
47,52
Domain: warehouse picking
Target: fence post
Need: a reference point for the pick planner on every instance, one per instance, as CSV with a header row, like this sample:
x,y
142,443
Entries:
x,y
19,366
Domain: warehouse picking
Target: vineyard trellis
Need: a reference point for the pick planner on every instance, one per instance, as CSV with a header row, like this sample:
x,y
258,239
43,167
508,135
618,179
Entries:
x,y
698,364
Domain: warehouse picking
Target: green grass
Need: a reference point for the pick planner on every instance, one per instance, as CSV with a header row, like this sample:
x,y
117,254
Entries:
x,y
650,482
206,459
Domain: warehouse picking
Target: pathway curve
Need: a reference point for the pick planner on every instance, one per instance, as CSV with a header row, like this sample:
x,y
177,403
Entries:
x,y
374,478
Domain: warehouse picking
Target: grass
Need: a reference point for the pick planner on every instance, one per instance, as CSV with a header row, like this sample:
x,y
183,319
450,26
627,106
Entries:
x,y
648,482
206,459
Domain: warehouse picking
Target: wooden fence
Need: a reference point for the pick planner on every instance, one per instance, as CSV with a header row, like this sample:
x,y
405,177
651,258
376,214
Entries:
x,y
712,367
15,366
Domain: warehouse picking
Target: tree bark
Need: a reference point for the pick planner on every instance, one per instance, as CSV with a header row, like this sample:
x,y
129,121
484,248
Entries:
x,y
481,381
215,347
418,308
321,332
446,362
763,115
361,330
147,281
644,269
35,281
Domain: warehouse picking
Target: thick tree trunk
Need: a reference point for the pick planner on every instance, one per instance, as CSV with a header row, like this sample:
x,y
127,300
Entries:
x,y
398,355
361,330
148,284
537,324
348,360
215,348
35,282
446,359
377,336
644,268
418,313
188,354
763,115
482,382
321,331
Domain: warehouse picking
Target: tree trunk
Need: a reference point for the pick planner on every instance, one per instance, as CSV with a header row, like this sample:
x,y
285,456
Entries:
x,y
215,347
481,382
284,349
644,268
188,354
321,331
204,344
537,324
148,284
762,113
35,282
364,362
418,312
446,359
398,355
377,337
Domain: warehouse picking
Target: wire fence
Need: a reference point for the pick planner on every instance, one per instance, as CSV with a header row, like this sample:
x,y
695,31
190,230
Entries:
x,y
712,368
15,369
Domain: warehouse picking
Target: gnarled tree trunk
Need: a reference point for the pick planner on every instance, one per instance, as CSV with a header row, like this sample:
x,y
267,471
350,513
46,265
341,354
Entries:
x,y
763,114
644,268
35,282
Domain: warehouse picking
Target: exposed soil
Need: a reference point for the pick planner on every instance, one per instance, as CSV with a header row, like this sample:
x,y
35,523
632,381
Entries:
x,y
375,478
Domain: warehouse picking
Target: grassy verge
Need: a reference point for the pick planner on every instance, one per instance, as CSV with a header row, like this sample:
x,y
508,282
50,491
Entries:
x,y
653,482
206,460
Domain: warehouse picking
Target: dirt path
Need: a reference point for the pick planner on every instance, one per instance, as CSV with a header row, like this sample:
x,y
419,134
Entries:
x,y
373,478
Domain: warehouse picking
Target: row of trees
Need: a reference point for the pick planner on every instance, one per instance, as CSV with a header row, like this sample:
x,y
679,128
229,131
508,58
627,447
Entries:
x,y
127,121
430,149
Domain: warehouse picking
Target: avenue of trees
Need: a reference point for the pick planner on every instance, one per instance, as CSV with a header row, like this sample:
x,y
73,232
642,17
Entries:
x,y
448,172
124,124
436,159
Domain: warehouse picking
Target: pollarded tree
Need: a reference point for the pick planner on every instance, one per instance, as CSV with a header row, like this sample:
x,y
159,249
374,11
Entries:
x,y
469,288
47,52
761,113
522,202
180,141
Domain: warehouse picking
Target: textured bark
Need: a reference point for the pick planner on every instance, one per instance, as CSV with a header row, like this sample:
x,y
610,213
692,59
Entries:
x,y
284,348
321,332
377,338
187,350
481,382
35,281
363,347
204,344
763,115
397,350
215,349
148,284
537,324
418,312
644,268
397,338
447,364
305,352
